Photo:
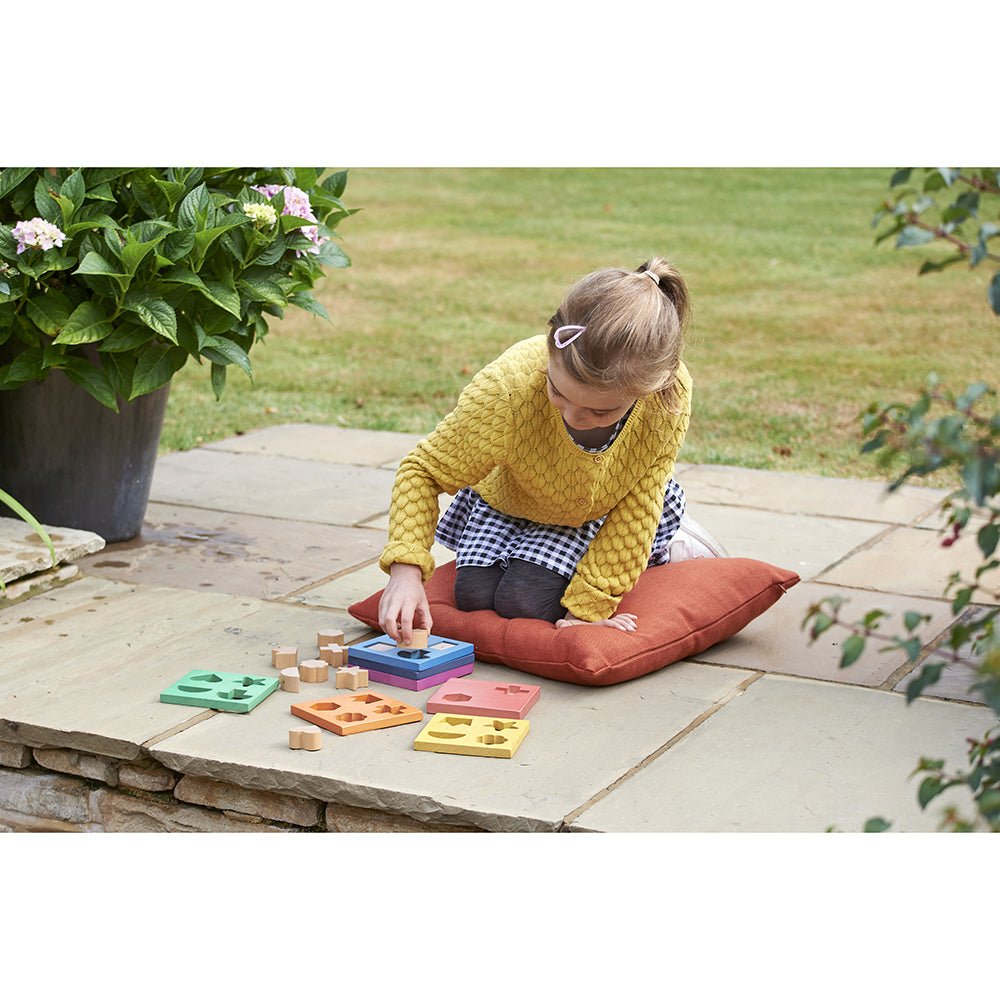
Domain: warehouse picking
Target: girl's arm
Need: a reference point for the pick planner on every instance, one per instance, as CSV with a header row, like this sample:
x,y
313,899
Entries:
x,y
404,603
620,552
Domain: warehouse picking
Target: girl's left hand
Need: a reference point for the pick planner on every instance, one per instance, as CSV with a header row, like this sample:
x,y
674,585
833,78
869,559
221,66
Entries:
x,y
623,621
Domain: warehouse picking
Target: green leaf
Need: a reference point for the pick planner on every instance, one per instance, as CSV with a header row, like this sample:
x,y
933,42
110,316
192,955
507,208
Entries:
x,y
912,620
876,825
930,788
196,210
94,263
220,351
126,338
49,312
913,236
91,378
262,289
332,255
988,537
929,266
993,293
204,238
10,177
218,379
133,253
854,646
930,673
962,600
155,368
48,207
74,187
154,312
222,295
989,803
306,300
335,183
86,324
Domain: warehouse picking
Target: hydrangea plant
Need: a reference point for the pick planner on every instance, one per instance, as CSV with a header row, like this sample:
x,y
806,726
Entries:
x,y
118,277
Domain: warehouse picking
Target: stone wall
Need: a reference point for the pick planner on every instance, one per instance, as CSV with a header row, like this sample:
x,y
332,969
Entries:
x,y
60,790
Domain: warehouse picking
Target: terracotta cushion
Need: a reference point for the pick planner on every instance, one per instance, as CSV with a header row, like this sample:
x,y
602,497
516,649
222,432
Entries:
x,y
682,609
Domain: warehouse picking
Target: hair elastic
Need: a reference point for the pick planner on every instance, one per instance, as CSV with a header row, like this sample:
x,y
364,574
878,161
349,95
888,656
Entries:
x,y
653,275
575,330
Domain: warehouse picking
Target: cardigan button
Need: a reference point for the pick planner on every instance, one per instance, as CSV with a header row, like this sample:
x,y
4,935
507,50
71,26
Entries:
x,y
598,458
582,503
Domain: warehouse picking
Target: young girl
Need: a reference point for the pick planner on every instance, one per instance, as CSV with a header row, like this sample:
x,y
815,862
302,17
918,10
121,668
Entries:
x,y
561,455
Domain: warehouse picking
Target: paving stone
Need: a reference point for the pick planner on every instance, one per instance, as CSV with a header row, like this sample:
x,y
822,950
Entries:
x,y
956,679
322,443
271,805
684,748
15,755
263,485
791,755
48,796
37,582
22,552
776,643
357,585
228,553
128,814
347,819
146,775
93,662
575,748
804,543
913,561
81,764
797,494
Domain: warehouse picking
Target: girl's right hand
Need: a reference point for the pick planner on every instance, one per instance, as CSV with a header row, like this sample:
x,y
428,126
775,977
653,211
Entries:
x,y
404,603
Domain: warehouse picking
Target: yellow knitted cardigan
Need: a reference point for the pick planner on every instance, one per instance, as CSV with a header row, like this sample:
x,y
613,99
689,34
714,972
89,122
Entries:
x,y
508,442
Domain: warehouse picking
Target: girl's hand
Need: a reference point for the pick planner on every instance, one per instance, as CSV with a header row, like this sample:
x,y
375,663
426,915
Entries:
x,y
623,620
404,603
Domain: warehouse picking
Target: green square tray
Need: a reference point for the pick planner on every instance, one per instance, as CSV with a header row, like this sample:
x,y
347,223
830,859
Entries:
x,y
216,689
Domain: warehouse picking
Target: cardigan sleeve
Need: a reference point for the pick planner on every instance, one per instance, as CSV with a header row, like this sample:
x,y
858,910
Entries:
x,y
620,551
460,451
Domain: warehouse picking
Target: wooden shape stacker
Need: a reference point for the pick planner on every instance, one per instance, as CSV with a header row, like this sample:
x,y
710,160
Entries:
x,y
413,668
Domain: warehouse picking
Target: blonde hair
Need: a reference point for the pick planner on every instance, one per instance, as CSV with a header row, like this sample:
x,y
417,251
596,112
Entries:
x,y
634,332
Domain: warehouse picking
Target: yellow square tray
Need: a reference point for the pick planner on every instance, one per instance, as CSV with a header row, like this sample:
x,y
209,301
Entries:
x,y
474,735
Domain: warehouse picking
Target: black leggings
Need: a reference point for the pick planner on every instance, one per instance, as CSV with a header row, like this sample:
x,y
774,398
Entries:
x,y
521,590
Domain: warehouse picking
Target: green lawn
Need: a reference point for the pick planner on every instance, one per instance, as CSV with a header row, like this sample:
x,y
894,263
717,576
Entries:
x,y
799,319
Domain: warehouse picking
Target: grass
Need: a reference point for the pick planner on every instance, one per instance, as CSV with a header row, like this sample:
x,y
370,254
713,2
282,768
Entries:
x,y
800,321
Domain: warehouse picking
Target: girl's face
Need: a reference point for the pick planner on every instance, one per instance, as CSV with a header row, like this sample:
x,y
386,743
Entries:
x,y
583,407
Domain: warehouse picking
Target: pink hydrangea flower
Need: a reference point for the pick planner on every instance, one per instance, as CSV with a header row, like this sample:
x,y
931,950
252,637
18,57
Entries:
x,y
297,204
37,233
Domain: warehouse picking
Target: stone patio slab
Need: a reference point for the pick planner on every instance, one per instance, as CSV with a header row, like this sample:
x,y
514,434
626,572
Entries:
x,y
573,751
804,543
956,678
320,443
263,557
94,657
272,486
791,755
22,552
358,584
913,561
776,643
797,494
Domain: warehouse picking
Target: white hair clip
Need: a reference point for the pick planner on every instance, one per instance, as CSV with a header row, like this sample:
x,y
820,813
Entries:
x,y
575,330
